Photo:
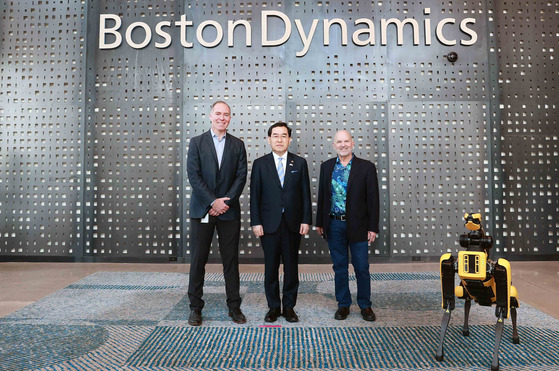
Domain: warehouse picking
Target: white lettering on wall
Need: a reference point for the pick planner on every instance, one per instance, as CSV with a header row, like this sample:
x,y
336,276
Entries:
x,y
286,23
276,29
103,30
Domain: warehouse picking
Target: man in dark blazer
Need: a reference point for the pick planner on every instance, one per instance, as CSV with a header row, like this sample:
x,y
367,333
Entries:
x,y
348,216
217,171
280,213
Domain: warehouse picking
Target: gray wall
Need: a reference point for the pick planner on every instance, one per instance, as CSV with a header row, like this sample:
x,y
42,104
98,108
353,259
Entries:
x,y
93,142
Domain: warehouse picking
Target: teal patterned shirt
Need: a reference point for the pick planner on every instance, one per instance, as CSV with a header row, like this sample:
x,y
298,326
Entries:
x,y
340,176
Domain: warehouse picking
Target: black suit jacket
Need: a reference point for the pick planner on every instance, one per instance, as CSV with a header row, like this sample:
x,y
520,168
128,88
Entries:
x,y
209,181
362,202
268,198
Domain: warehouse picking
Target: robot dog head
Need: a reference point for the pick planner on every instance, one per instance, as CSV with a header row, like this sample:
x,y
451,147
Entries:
x,y
476,240
473,221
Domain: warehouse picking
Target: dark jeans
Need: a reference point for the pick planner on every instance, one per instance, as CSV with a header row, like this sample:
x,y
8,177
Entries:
x,y
201,235
281,245
338,244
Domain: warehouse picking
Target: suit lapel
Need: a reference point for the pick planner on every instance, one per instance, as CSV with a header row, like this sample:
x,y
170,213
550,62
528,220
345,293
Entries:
x,y
210,142
270,163
329,173
353,172
226,151
290,166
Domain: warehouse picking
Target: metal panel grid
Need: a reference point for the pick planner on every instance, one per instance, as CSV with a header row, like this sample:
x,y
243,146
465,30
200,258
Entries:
x,y
526,40
132,142
438,136
437,169
41,118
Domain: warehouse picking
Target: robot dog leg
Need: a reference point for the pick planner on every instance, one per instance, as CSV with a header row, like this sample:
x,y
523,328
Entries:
x,y
448,302
505,302
463,294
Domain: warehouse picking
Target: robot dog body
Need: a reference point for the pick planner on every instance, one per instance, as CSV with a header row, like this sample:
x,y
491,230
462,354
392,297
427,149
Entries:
x,y
481,280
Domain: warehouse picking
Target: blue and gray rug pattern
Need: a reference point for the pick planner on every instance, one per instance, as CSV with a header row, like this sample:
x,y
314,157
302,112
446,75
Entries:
x,y
138,321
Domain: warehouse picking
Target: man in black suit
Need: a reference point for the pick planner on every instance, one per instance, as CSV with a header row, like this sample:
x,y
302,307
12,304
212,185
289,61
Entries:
x,y
280,213
217,171
348,215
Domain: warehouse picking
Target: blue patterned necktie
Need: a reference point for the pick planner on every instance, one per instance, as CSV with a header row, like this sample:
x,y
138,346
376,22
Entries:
x,y
281,171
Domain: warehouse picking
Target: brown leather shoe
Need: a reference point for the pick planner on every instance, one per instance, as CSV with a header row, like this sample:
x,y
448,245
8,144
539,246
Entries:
x,y
368,314
290,315
195,318
341,313
272,315
237,315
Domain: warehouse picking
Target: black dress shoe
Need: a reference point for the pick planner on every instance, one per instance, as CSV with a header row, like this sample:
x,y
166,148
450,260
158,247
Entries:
x,y
290,315
368,314
195,318
342,313
272,315
237,315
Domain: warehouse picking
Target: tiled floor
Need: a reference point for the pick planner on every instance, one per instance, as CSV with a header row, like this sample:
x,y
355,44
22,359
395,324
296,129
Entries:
x,y
23,283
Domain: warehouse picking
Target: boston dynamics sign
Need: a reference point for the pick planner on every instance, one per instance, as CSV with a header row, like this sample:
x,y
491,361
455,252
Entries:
x,y
210,33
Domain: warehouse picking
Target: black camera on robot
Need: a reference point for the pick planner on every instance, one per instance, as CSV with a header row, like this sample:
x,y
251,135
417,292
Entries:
x,y
476,241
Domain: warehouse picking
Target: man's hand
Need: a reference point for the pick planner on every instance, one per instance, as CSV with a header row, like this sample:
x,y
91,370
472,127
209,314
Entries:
x,y
320,231
371,236
304,229
219,206
258,230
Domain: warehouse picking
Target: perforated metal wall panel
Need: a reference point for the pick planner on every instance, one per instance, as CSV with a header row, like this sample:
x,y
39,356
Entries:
x,y
93,142
133,140
526,45
42,70
436,159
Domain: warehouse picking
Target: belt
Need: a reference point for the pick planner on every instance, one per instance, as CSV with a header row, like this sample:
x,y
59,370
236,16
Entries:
x,y
338,217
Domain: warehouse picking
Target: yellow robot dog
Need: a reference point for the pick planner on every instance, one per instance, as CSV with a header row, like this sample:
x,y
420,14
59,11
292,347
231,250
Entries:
x,y
482,280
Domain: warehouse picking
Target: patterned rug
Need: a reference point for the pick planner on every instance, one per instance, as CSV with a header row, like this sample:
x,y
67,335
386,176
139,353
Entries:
x,y
138,321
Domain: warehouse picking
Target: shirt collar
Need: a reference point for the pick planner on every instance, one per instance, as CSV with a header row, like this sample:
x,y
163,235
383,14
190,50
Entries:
x,y
276,157
214,135
350,161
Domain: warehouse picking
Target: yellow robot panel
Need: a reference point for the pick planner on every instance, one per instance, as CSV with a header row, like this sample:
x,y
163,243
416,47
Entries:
x,y
505,263
513,292
472,265
459,292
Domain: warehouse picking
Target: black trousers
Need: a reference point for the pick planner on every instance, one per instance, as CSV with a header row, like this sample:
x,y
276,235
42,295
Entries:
x,y
201,235
283,244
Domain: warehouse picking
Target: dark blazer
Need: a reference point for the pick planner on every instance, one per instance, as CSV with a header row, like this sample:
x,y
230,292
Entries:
x,y
210,182
362,203
268,198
